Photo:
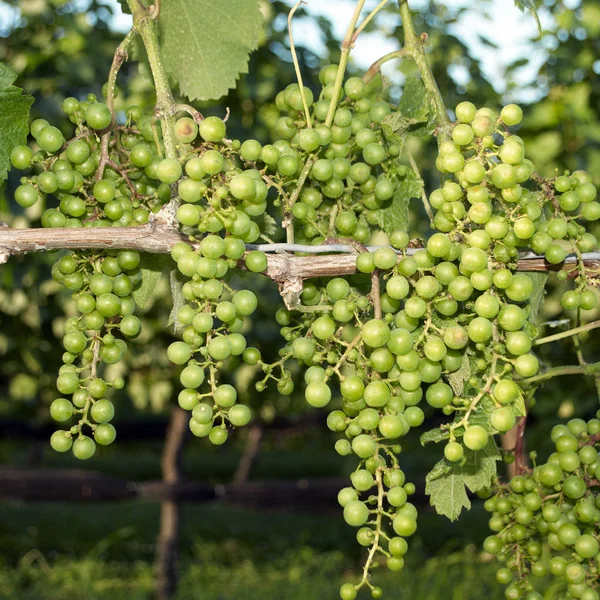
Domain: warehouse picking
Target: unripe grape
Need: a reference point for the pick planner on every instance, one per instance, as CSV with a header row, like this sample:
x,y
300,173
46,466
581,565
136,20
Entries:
x,y
511,114
98,116
475,437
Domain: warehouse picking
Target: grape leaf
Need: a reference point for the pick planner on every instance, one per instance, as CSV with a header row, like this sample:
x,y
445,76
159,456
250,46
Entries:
x,y
124,6
269,225
395,216
481,415
537,296
416,105
14,118
529,5
178,299
447,483
457,378
152,267
206,43
434,435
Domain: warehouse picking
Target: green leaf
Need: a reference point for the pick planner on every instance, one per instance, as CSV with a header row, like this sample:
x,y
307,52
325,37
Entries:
x,y
152,266
447,483
537,296
178,299
14,118
434,435
416,105
447,493
269,225
395,216
124,7
457,378
481,415
206,43
529,5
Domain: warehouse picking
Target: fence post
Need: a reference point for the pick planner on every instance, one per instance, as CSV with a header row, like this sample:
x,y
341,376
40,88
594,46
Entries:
x,y
170,510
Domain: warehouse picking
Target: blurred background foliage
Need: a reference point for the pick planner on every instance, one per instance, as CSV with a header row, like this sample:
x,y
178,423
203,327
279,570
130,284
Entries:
x,y
63,48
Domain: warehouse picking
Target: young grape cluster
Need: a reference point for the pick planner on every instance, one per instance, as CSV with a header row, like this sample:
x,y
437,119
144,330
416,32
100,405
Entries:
x,y
102,286
446,321
500,205
544,523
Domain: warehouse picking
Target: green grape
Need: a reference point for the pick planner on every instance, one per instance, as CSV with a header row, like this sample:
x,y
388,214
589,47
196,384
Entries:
x,y
84,447
21,157
98,116
475,437
105,434
356,513
61,441
50,139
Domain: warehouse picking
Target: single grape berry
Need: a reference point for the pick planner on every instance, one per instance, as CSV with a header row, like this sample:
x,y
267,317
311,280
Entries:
x,y
98,116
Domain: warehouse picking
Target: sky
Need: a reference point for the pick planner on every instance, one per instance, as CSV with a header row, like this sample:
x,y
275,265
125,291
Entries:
x,y
509,28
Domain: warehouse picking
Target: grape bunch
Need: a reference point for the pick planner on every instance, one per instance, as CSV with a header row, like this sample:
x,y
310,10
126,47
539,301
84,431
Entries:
x,y
545,523
442,324
500,205
331,165
452,325
102,287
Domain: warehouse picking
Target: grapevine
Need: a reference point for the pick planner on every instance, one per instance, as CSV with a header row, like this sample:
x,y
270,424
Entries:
x,y
403,329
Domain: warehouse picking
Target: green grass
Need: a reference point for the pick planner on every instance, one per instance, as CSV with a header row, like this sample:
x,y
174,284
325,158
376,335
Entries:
x,y
105,550
300,574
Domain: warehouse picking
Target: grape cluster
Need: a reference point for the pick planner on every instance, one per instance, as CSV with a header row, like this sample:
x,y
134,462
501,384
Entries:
x,y
500,205
452,326
91,189
338,151
115,175
545,523
341,343
102,286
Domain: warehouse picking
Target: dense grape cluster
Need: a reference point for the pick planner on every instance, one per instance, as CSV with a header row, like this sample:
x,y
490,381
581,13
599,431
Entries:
x,y
423,325
545,523
500,205
350,171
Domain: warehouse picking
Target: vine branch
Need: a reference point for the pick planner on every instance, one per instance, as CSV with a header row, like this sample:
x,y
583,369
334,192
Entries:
x,y
587,369
158,237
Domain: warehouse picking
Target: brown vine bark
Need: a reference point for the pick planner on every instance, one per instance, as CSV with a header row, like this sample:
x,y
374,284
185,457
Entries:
x,y
159,237
170,511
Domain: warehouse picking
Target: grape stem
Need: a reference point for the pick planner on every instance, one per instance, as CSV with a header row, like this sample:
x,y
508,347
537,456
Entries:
x,y
144,23
586,369
521,465
376,66
195,114
368,19
375,544
297,64
376,294
568,333
477,399
288,220
414,46
594,439
347,45
118,59
415,168
336,368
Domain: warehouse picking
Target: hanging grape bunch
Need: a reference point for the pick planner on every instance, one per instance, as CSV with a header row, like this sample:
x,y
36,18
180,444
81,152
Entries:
x,y
402,330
